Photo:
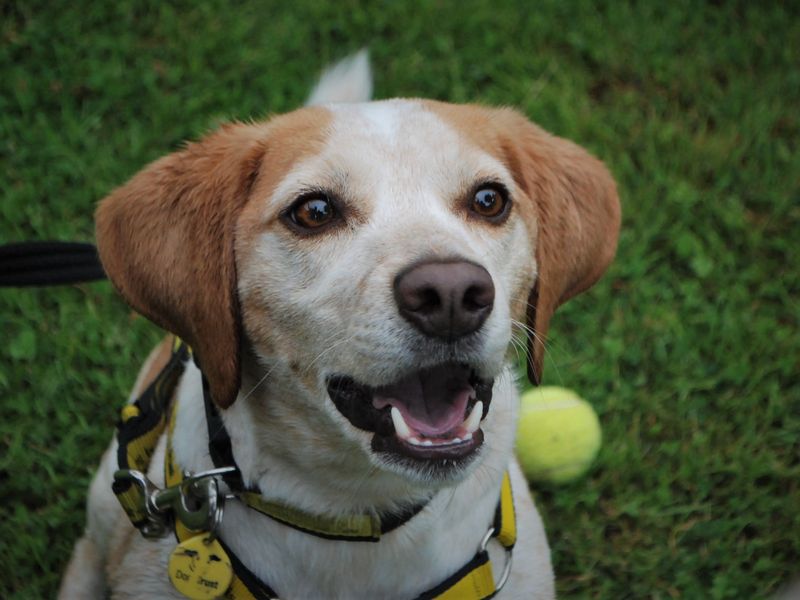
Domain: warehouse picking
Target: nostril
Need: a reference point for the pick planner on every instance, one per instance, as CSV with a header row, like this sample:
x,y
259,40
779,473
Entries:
x,y
429,301
422,300
478,297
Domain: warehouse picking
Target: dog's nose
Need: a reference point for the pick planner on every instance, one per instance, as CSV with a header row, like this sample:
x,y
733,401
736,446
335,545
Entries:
x,y
445,299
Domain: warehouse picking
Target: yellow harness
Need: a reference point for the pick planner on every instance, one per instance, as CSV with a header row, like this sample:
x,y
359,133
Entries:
x,y
155,512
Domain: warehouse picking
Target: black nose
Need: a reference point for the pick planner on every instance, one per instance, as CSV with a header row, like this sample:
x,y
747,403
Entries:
x,y
445,299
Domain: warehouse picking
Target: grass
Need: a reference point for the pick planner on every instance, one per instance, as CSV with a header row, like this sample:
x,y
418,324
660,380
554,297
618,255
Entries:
x,y
688,348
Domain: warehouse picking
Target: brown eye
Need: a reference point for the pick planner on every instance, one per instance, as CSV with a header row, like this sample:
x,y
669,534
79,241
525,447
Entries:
x,y
489,202
313,213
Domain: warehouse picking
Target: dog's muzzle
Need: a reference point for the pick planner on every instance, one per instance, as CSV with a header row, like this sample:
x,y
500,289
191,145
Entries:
x,y
433,415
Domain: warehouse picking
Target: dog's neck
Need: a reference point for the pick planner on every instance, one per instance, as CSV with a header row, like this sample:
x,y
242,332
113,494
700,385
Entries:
x,y
292,452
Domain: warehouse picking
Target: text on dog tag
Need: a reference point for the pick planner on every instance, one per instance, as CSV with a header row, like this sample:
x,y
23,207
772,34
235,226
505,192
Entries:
x,y
200,569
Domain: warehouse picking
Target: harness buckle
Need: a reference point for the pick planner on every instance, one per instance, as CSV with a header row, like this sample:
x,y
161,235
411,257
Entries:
x,y
196,502
155,523
509,556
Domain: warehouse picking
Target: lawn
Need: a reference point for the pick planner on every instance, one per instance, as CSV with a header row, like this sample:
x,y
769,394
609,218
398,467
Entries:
x,y
688,349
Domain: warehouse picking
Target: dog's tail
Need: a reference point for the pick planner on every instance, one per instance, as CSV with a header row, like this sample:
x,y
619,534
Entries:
x,y
349,80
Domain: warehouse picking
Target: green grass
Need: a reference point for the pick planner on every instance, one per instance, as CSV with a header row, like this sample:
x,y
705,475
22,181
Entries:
x,y
688,348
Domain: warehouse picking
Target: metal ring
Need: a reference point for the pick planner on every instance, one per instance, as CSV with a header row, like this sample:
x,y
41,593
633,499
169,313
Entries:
x,y
509,555
506,571
192,477
217,506
485,540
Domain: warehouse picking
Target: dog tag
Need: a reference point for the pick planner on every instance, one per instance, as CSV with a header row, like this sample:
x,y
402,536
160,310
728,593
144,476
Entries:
x,y
200,569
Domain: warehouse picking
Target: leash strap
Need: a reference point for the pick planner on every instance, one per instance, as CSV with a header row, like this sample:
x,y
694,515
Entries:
x,y
141,426
48,263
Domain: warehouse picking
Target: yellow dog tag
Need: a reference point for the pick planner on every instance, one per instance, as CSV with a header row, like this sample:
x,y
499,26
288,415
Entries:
x,y
200,569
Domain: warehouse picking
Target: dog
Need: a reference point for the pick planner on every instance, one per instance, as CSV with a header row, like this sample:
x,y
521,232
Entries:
x,y
355,280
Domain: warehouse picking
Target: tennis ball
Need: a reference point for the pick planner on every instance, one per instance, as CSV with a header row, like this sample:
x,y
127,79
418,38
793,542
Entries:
x,y
558,435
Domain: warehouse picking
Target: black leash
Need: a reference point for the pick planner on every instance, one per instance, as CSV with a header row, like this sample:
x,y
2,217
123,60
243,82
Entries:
x,y
27,264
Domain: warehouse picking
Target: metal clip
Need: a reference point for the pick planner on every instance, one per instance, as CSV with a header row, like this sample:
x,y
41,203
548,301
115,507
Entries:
x,y
156,525
509,556
196,502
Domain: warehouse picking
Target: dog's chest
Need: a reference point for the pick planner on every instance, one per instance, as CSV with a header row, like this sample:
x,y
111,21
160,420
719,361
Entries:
x,y
418,555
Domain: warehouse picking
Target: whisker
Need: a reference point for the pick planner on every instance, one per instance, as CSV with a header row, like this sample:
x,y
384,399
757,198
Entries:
x,y
550,348
328,349
259,382
356,490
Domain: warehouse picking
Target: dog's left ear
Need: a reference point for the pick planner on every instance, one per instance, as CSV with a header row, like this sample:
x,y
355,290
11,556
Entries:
x,y
572,211
166,240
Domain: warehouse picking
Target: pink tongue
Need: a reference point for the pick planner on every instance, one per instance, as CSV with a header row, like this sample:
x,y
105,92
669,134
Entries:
x,y
432,401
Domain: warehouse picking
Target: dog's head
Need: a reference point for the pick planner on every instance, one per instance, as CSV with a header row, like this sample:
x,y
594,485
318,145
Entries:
x,y
367,264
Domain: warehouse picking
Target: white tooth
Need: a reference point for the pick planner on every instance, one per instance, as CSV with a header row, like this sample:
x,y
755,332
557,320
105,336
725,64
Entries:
x,y
456,440
468,437
400,427
415,441
473,421
427,443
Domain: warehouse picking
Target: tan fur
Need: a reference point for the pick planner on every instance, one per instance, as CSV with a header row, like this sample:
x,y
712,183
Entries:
x,y
166,238
571,208
157,359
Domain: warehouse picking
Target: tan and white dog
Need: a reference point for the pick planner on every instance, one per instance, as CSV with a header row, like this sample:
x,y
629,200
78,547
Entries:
x,y
349,275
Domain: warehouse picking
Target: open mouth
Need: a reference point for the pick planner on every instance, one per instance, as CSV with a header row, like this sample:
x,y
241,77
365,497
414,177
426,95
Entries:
x,y
431,415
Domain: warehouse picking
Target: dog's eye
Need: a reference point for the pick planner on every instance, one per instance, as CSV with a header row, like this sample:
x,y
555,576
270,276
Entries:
x,y
313,212
489,202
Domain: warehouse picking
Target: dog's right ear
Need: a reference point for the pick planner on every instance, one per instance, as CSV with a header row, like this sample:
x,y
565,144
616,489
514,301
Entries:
x,y
166,240
572,210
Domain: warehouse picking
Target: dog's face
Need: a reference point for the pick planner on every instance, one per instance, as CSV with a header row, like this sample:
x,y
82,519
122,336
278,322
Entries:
x,y
385,267
373,260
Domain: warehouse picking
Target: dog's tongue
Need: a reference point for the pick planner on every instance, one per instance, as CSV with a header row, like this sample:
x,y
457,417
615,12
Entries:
x,y
432,401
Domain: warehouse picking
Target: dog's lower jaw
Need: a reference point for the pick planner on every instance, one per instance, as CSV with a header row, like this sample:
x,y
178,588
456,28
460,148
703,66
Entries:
x,y
291,430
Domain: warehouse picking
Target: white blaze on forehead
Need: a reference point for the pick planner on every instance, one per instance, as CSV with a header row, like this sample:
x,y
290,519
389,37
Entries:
x,y
381,119
392,155
398,151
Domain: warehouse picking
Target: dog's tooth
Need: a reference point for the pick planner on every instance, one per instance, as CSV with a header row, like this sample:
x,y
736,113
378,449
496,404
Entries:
x,y
467,437
456,440
400,427
415,441
473,421
427,443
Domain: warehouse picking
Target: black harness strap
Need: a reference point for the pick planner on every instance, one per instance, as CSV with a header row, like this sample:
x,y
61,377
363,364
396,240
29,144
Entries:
x,y
480,559
219,443
257,588
151,408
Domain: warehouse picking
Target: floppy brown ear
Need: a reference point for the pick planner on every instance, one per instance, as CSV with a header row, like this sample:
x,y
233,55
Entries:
x,y
574,213
166,240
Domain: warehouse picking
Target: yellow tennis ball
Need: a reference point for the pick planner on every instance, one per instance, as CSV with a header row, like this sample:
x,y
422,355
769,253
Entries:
x,y
558,435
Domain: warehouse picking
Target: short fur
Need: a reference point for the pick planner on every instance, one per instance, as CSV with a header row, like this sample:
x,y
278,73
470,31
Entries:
x,y
197,243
